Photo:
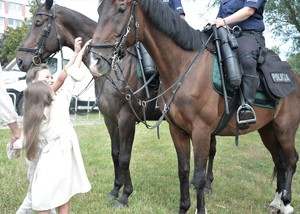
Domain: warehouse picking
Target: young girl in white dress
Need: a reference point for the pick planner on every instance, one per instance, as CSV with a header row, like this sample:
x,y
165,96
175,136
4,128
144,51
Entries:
x,y
51,141
42,72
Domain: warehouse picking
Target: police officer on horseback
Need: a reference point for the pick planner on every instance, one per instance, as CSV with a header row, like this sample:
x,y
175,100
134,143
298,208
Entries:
x,y
248,16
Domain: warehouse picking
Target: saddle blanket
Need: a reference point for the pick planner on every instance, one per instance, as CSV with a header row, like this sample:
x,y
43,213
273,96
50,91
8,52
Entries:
x,y
262,99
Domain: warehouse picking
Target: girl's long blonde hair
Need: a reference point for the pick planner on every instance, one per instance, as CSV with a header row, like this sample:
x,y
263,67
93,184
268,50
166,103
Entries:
x,y
37,96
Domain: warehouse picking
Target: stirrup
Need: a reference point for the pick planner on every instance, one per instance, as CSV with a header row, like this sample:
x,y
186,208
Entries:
x,y
248,121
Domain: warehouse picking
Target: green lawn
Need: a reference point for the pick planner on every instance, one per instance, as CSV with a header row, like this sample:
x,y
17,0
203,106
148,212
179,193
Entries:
x,y
243,175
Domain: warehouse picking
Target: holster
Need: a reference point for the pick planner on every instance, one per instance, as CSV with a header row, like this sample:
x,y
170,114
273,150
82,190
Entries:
x,y
148,63
230,60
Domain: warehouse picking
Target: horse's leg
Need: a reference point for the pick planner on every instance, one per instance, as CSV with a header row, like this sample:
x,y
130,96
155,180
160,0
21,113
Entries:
x,y
112,128
183,148
126,133
210,175
201,145
287,142
279,155
270,141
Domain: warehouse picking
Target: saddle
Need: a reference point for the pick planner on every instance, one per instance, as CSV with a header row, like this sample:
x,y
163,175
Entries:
x,y
276,76
276,79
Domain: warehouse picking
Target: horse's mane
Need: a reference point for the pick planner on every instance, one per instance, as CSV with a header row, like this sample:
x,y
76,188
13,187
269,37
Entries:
x,y
165,19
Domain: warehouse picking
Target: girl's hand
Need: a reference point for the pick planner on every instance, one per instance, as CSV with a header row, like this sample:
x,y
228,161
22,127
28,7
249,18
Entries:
x,y
84,49
77,44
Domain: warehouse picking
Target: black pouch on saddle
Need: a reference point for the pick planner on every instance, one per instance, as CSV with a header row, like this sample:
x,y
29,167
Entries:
x,y
278,76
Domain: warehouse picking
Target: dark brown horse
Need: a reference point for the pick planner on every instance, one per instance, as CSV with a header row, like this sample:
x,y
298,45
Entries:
x,y
53,22
191,105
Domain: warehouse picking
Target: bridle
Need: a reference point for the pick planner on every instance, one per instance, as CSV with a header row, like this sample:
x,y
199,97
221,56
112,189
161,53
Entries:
x,y
42,41
119,51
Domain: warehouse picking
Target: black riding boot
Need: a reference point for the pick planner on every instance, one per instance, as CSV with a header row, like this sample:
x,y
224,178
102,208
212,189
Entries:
x,y
245,112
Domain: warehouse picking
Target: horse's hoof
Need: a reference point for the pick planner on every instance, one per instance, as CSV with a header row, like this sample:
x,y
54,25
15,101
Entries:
x,y
203,211
274,210
287,209
118,205
111,197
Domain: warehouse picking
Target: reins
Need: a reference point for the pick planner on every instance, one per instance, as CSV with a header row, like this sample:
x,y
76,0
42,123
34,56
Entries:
x,y
95,103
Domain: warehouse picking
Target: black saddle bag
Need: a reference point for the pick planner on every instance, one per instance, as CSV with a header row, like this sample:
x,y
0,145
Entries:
x,y
278,76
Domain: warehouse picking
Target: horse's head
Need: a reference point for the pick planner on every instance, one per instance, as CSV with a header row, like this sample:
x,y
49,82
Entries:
x,y
38,43
116,30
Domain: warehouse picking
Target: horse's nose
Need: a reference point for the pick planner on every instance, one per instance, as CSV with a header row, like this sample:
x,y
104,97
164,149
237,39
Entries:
x,y
98,65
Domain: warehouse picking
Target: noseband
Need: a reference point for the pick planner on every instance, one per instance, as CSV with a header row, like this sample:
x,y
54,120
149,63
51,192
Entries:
x,y
119,51
42,41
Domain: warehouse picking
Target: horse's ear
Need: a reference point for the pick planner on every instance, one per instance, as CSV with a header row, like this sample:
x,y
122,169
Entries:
x,y
38,2
49,4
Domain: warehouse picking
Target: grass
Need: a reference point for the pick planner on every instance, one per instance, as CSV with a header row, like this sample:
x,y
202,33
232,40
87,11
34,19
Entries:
x,y
243,175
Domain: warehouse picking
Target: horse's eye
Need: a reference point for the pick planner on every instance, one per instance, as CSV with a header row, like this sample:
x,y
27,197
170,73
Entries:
x,y
122,8
38,23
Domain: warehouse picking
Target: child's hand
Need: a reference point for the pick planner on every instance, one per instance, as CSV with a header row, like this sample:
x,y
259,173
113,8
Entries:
x,y
84,49
77,44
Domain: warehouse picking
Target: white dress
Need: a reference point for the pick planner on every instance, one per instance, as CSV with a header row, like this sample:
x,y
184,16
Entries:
x,y
60,172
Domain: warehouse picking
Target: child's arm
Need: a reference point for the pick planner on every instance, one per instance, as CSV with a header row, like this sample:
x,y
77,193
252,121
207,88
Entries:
x,y
63,74
74,70
74,74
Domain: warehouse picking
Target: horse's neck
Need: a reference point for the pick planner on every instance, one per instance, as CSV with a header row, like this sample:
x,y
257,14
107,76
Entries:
x,y
167,55
73,25
129,65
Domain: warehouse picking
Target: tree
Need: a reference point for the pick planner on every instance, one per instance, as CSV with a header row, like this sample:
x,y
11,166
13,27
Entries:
x,y
13,38
294,62
283,16
33,6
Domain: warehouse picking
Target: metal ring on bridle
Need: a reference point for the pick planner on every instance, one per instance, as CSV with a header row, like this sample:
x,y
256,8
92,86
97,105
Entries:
x,y
36,60
128,97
